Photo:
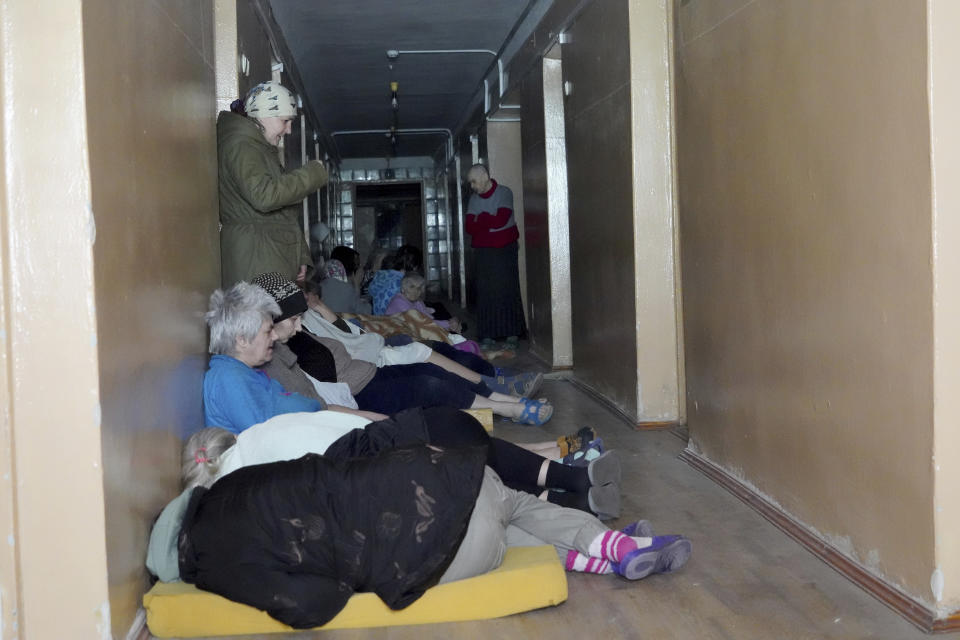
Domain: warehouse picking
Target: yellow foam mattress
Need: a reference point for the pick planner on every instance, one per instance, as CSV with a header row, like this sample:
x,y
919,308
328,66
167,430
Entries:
x,y
529,578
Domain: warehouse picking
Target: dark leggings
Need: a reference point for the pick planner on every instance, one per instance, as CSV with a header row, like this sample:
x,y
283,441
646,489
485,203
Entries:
x,y
470,360
452,429
404,386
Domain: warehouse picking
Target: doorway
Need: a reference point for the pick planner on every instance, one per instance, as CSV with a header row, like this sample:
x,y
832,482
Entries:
x,y
388,216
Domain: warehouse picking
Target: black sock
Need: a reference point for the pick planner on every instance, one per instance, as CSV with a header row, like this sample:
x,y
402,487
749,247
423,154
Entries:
x,y
562,476
570,499
517,465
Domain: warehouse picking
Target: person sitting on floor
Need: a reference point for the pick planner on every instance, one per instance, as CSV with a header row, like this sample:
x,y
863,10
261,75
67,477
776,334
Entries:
x,y
242,336
386,281
410,297
342,275
296,538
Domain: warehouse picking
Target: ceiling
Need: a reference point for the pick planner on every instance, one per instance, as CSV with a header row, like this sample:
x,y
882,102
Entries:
x,y
340,50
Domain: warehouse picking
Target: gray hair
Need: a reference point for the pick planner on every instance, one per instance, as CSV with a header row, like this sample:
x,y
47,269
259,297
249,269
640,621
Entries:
x,y
200,460
237,313
479,168
412,279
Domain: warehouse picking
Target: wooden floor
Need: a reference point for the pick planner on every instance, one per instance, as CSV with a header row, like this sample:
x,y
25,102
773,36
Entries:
x,y
745,580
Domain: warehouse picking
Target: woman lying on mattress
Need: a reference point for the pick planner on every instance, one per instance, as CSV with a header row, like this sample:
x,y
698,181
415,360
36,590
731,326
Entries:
x,y
297,536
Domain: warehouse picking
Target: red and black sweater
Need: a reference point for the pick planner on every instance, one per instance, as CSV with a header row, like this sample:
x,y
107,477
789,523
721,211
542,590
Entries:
x,y
490,220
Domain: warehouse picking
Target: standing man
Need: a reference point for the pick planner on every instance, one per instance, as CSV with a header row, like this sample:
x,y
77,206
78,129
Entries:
x,y
493,236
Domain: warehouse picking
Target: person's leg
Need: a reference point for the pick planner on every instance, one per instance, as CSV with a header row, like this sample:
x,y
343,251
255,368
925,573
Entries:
x,y
469,360
518,466
594,488
515,409
484,543
548,449
390,391
564,528
436,371
523,384
584,544
454,367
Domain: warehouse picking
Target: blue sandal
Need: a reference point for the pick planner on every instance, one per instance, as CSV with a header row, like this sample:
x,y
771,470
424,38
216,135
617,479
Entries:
x,y
521,385
531,412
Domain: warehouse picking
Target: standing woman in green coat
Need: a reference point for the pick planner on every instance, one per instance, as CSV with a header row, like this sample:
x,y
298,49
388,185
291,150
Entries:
x,y
260,208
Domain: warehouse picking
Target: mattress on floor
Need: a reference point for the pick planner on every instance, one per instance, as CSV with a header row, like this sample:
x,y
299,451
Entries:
x,y
529,578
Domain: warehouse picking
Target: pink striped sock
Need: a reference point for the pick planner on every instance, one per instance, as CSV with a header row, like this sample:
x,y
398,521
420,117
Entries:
x,y
612,545
576,561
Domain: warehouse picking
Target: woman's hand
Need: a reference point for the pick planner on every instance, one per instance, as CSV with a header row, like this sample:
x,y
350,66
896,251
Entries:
x,y
455,326
302,274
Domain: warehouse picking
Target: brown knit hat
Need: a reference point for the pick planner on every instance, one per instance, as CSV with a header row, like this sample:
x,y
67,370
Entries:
x,y
287,294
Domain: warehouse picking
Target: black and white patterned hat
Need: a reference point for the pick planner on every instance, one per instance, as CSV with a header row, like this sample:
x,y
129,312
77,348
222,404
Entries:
x,y
270,100
287,294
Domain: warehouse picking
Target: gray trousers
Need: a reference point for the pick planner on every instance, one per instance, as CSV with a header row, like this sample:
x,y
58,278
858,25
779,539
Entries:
x,y
506,518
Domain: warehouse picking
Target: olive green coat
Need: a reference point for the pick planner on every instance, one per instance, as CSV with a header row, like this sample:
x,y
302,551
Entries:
x,y
260,203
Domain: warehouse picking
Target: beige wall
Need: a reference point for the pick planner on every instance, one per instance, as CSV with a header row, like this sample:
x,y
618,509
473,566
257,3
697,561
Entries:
x,y
536,215
546,216
944,51
619,154
599,159
151,110
805,202
505,160
53,581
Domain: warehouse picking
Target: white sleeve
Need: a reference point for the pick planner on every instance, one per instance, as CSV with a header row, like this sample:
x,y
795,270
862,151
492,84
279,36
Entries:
x,y
407,354
333,392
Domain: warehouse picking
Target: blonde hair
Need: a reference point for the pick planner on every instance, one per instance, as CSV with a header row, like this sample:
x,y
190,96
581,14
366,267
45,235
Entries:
x,y
200,460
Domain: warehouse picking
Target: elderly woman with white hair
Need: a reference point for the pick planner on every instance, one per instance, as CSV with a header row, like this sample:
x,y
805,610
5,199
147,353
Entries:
x,y
241,339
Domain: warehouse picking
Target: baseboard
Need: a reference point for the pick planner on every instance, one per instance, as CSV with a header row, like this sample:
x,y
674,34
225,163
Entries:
x,y
602,399
916,612
542,359
138,629
656,426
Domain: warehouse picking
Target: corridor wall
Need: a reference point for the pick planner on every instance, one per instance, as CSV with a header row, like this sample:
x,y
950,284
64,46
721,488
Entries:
x,y
151,109
807,220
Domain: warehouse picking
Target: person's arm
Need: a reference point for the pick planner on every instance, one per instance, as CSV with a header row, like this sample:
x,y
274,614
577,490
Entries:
x,y
325,312
498,218
232,402
398,304
372,416
266,193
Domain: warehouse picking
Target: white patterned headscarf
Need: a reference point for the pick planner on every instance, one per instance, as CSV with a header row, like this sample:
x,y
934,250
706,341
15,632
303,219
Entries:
x,y
270,100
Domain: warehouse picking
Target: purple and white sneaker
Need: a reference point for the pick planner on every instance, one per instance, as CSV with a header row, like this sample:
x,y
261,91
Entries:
x,y
666,554
638,529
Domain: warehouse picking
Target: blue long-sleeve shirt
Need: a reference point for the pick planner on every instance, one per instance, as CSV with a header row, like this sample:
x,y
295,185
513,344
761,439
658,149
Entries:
x,y
236,397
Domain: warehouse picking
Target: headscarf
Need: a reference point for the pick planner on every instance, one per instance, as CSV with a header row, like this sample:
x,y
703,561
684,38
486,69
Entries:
x,y
334,269
270,100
